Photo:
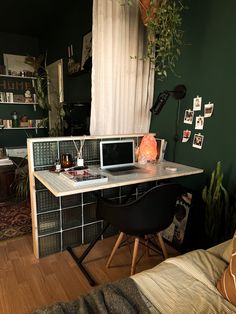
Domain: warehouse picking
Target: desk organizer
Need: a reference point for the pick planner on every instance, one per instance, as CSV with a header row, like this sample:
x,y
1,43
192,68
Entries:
x,y
59,222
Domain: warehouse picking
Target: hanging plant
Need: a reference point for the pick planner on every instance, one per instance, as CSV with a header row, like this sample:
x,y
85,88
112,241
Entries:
x,y
163,22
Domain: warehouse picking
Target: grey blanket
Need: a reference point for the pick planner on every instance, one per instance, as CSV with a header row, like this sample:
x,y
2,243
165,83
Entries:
x,y
119,297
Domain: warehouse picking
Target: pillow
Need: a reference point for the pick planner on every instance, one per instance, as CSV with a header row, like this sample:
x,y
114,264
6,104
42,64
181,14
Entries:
x,y
227,283
228,252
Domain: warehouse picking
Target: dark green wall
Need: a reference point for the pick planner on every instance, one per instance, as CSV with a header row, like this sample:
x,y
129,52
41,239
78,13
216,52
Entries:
x,y
19,45
76,22
207,68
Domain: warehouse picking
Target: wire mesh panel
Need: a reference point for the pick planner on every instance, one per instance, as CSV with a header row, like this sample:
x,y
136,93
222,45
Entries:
x,y
48,223
46,201
91,231
49,244
72,238
71,200
71,217
45,153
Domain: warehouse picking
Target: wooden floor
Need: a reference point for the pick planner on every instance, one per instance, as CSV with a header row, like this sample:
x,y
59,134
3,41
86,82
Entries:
x,y
27,283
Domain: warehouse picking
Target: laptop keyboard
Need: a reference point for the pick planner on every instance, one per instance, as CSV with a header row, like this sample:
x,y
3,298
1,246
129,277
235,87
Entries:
x,y
118,169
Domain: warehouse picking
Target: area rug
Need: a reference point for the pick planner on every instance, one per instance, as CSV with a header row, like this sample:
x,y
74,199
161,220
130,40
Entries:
x,y
15,219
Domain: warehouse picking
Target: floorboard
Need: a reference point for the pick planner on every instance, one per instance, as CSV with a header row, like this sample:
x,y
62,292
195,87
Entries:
x,y
27,283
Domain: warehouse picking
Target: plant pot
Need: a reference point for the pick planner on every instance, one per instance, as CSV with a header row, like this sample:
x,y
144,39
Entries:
x,y
144,6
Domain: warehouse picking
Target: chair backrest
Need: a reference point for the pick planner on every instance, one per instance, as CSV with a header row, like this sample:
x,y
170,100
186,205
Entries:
x,y
152,212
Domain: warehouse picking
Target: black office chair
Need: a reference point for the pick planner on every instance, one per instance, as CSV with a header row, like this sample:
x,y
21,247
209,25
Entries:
x,y
150,214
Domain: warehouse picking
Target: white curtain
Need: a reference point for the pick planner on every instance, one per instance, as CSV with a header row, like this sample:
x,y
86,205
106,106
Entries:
x,y
122,81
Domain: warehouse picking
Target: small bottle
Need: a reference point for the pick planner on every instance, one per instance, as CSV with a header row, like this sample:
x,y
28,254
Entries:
x,y
57,165
14,119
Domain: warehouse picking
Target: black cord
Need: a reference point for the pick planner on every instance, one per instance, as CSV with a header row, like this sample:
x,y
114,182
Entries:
x,y
176,137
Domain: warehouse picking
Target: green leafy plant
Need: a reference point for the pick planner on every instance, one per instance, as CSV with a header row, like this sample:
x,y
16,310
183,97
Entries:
x,y
163,22
21,180
217,207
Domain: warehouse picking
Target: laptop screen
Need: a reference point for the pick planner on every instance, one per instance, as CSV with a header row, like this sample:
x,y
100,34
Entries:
x,y
115,154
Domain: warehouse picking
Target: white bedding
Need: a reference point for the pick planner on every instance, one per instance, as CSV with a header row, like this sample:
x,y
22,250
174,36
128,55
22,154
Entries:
x,y
185,284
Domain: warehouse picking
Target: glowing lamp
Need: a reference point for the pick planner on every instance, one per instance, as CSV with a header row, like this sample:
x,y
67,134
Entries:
x,y
147,150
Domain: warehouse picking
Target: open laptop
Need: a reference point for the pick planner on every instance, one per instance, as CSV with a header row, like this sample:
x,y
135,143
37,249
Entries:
x,y
118,156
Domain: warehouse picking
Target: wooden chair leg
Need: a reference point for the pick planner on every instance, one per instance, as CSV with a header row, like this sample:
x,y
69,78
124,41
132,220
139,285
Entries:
x,y
135,255
117,244
163,247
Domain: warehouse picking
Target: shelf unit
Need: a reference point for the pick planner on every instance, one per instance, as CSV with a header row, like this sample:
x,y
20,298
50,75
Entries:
x,y
16,86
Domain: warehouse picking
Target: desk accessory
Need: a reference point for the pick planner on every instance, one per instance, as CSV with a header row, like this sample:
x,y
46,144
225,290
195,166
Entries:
x,y
83,177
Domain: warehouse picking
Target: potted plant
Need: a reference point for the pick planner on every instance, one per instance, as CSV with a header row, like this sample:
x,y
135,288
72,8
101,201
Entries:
x,y
163,22
218,213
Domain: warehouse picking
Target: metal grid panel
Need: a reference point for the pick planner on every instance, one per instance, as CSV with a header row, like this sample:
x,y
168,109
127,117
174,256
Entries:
x,y
71,200
48,223
91,231
72,238
128,190
45,153
46,201
49,244
90,213
72,217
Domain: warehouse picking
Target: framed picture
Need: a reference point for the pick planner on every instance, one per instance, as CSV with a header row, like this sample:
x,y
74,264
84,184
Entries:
x,y
86,59
15,65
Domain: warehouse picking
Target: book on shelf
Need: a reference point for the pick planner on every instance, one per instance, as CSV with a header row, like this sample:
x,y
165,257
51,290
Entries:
x,y
83,177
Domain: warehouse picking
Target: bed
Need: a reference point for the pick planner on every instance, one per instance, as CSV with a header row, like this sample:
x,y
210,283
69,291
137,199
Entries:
x,y
183,284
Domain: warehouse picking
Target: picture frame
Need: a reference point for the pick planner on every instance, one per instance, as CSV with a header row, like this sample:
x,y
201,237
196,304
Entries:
x,y
86,50
198,141
15,65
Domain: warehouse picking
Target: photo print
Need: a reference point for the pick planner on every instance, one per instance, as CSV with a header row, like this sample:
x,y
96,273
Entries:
x,y
199,123
197,103
188,116
198,141
208,110
186,136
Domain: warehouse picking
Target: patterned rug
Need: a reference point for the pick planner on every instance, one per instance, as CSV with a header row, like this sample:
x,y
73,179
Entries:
x,y
15,219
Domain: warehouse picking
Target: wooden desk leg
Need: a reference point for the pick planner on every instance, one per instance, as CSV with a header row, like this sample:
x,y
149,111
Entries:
x,y
80,259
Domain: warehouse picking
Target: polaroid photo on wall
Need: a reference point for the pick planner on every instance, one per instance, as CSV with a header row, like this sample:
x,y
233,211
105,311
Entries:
x,y
188,116
198,141
197,103
186,136
199,123
208,110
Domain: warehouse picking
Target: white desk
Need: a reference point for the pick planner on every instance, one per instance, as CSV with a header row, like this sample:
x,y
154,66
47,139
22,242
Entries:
x,y
155,172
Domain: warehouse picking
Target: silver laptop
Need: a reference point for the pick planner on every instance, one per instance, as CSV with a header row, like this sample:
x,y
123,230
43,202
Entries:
x,y
118,156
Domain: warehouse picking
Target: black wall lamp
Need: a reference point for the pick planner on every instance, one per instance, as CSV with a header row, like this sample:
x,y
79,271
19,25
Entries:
x,y
178,93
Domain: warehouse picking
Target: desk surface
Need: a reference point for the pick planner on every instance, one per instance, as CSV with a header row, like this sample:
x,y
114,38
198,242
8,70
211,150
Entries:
x,y
60,187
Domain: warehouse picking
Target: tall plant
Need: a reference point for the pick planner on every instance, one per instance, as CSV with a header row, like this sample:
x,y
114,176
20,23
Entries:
x,y
217,209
